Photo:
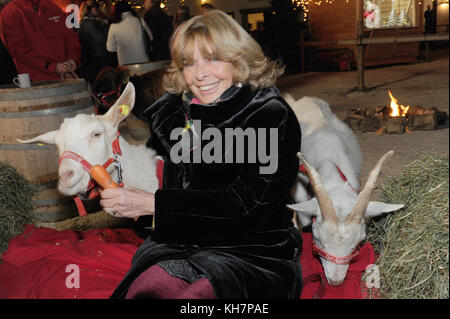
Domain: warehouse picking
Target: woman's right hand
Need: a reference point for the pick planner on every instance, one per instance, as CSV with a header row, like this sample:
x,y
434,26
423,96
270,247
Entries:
x,y
128,202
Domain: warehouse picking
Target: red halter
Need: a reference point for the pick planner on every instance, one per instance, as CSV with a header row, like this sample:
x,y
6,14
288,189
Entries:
x,y
334,259
100,97
91,190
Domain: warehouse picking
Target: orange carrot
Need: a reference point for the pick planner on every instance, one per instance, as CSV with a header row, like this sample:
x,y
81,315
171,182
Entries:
x,y
101,176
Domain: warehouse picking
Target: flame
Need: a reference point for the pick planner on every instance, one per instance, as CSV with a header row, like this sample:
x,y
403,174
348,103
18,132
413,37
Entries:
x,y
396,109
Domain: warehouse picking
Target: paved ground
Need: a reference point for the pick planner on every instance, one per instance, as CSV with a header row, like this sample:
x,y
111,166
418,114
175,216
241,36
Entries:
x,y
425,84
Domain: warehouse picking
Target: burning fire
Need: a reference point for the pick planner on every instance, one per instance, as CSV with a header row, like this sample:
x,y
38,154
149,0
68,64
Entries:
x,y
396,109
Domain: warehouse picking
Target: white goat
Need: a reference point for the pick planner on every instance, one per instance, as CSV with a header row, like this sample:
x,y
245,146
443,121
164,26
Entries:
x,y
91,137
330,146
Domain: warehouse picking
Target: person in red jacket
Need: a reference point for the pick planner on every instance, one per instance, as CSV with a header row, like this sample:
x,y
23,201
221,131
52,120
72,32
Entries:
x,y
36,36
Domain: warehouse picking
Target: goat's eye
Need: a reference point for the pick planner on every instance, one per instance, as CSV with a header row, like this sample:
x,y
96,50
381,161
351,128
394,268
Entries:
x,y
96,134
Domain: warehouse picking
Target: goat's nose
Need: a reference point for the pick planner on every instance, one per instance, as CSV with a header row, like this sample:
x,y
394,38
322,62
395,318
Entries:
x,y
335,282
67,176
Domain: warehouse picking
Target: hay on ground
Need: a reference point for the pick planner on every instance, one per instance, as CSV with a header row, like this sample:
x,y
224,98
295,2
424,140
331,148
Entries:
x,y
414,243
16,204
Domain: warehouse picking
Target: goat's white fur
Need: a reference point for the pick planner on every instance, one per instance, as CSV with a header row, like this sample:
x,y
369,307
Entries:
x,y
91,137
327,142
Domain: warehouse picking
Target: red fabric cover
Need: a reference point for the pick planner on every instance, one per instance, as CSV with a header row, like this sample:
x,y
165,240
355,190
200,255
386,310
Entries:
x,y
35,265
349,289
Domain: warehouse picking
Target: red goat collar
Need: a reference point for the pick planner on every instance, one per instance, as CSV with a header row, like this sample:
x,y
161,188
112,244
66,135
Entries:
x,y
302,169
334,259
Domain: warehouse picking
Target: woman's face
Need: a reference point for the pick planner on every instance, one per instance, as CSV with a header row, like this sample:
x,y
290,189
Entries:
x,y
207,78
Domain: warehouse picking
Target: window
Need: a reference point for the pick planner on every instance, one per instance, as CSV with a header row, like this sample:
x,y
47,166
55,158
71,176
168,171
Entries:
x,y
389,13
255,20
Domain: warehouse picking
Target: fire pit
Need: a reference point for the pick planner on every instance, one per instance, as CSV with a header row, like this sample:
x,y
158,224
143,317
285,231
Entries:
x,y
395,118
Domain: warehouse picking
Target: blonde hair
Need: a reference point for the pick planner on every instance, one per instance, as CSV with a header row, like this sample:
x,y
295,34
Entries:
x,y
219,36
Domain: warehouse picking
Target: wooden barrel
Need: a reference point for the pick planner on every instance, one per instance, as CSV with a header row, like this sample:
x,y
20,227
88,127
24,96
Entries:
x,y
28,112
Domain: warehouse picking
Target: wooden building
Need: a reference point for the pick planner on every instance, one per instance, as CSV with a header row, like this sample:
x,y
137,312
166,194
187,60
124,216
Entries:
x,y
337,20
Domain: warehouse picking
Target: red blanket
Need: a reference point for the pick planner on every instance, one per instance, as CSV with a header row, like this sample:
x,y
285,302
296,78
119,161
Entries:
x,y
44,263
36,263
315,284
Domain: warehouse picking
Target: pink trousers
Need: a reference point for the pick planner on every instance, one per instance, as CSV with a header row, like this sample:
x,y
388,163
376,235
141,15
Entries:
x,y
156,283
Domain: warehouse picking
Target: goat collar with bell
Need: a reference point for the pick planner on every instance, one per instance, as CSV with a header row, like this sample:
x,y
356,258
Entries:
x,y
91,191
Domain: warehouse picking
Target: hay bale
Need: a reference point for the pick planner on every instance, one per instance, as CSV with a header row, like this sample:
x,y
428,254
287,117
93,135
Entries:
x,y
16,204
414,243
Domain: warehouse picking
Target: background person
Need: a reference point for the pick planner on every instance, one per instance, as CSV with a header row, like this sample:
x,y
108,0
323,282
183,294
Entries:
x,y
206,7
125,35
36,36
222,229
161,26
428,16
93,34
183,14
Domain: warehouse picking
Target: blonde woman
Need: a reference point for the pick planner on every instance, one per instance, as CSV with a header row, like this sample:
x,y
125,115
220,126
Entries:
x,y
222,229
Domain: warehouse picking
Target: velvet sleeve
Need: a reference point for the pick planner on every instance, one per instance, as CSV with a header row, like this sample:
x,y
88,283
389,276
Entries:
x,y
245,205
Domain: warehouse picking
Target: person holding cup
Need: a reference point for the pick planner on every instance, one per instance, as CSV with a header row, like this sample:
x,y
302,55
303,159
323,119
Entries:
x,y
40,43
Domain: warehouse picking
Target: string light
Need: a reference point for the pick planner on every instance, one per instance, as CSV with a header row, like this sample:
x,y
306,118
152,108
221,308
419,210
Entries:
x,y
306,4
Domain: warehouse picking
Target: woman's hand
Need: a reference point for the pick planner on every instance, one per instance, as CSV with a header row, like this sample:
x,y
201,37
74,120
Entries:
x,y
127,202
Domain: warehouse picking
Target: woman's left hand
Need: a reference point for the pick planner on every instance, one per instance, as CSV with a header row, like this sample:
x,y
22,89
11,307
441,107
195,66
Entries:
x,y
127,202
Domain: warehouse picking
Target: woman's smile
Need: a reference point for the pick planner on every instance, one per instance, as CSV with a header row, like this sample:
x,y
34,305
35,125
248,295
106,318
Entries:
x,y
207,78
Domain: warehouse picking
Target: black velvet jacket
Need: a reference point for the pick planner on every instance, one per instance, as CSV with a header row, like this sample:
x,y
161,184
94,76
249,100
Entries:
x,y
228,220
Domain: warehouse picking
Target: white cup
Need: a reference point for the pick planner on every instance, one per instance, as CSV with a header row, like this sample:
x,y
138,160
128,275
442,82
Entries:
x,y
22,80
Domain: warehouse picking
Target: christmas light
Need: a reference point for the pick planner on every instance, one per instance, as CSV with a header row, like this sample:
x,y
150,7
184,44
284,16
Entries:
x,y
306,4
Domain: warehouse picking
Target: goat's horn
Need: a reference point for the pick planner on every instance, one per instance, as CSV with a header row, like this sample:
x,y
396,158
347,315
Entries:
x,y
359,209
325,203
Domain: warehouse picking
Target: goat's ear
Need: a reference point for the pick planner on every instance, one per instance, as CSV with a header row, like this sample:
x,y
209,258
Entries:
x,y
378,208
47,138
308,207
122,107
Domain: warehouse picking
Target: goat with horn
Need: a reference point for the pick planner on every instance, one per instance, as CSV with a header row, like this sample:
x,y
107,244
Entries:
x,y
331,159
